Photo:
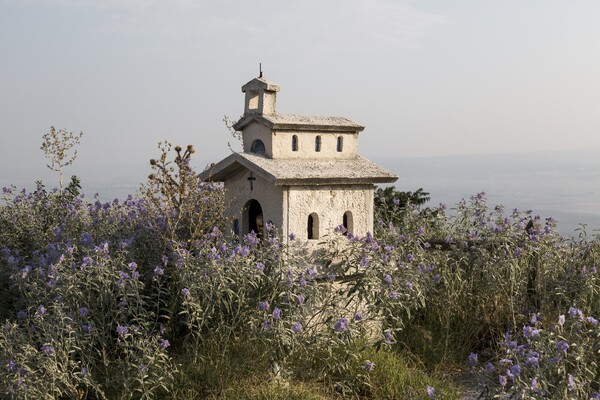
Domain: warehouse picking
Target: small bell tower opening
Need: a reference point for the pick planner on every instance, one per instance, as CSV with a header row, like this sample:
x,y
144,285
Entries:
x,y
261,96
252,101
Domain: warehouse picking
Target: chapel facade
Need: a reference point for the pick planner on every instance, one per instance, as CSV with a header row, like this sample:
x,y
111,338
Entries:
x,y
303,174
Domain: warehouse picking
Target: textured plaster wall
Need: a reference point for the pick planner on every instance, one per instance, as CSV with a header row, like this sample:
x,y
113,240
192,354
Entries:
x,y
238,194
330,203
257,131
282,145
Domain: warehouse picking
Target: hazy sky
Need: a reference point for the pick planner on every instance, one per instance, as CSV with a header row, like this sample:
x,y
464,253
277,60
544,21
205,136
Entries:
x,y
425,77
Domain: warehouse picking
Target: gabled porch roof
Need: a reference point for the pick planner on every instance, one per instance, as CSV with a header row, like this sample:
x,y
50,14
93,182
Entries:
x,y
295,172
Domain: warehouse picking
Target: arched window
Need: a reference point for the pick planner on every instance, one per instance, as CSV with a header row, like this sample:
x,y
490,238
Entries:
x,y
340,143
295,143
318,143
348,222
258,147
313,226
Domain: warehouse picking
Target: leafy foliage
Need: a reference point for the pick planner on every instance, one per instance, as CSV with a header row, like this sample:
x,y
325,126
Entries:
x,y
149,297
57,146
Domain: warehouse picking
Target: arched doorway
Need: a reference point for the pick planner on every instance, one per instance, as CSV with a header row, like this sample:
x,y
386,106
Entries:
x,y
253,216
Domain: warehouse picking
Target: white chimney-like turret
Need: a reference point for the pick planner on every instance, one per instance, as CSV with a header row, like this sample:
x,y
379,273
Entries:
x,y
261,97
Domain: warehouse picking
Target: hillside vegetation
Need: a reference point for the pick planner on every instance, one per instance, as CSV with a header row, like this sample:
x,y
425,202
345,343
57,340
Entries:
x,y
146,297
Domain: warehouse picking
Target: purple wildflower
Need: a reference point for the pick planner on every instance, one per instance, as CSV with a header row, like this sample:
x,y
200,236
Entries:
x,y
84,371
389,338
562,346
25,271
534,385
300,299
426,268
530,332
502,380
555,360
185,292
263,305
571,382
292,236
164,343
297,327
573,312
41,310
510,375
158,271
87,261
387,279
505,362
431,392
393,294
341,325
409,285
260,266
561,320
369,366
358,317
266,325
122,330
592,321
83,311
87,328
533,359
515,370
276,313
123,276
47,349
533,319
472,358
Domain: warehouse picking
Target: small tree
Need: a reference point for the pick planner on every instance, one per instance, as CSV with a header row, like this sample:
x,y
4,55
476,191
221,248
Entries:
x,y
56,146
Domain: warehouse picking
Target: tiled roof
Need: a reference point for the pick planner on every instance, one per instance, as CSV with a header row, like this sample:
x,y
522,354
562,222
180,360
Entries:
x,y
300,122
301,171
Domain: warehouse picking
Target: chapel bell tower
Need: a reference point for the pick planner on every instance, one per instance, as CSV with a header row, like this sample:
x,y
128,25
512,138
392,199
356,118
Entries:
x,y
261,96
300,173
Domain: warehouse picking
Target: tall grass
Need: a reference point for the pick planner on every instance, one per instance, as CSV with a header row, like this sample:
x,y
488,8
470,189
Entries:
x,y
149,298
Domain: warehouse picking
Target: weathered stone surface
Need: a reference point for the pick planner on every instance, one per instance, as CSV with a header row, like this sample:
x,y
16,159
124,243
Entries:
x,y
303,174
300,123
357,170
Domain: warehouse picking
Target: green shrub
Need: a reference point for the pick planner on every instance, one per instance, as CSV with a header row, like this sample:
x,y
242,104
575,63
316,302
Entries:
x,y
148,298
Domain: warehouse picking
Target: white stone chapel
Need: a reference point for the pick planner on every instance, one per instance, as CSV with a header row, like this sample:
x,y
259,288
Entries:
x,y
303,174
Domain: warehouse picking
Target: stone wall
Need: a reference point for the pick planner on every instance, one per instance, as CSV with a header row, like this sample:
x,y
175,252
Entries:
x,y
282,145
238,194
329,203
